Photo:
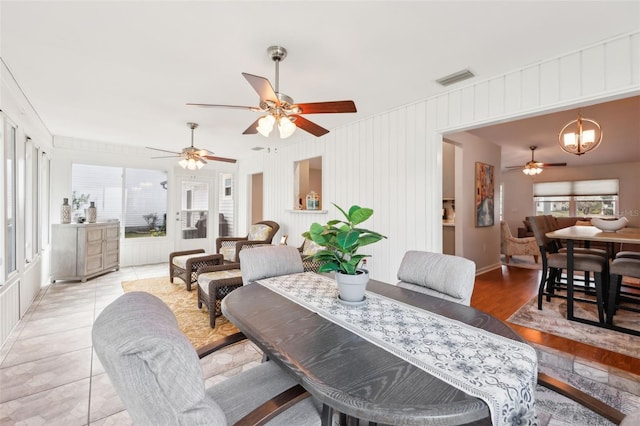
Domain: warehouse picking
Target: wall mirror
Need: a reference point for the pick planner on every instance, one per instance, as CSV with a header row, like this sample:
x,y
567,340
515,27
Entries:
x,y
307,191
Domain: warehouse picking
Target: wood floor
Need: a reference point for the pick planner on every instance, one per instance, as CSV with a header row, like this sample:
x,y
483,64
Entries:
x,y
502,291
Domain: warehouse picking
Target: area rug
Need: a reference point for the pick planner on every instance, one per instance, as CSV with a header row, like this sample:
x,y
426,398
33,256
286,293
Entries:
x,y
193,322
552,319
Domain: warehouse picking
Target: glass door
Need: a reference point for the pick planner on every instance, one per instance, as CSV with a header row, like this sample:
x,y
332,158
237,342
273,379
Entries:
x,y
194,224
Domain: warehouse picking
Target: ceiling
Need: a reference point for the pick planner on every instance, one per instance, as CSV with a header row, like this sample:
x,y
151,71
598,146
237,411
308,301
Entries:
x,y
122,72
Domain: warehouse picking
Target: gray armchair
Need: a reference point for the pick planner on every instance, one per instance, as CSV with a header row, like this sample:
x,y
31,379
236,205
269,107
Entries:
x,y
441,275
158,374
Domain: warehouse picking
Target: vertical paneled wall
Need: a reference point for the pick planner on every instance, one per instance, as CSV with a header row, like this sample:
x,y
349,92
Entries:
x,y
392,161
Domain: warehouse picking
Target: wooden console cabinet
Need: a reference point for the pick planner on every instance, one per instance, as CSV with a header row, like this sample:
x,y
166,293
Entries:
x,y
80,251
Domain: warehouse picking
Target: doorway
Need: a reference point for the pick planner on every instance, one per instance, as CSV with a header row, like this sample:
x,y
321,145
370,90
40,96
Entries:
x,y
194,224
257,193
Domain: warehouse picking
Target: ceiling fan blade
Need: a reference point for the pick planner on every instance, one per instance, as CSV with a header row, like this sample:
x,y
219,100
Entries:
x,y
309,126
552,164
167,156
163,150
253,129
225,106
327,107
213,158
263,87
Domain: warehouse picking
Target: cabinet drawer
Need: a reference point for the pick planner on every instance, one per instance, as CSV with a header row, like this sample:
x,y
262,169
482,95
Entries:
x,y
113,233
94,248
94,234
93,264
111,259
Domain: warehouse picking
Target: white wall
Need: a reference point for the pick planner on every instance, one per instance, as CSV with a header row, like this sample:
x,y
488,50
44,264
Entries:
x,y
392,162
19,289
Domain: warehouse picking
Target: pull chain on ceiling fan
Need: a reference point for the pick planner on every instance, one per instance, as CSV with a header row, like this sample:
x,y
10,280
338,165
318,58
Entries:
x,y
534,167
192,158
279,108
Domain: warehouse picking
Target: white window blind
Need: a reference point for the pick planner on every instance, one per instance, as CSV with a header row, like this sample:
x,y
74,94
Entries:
x,y
578,187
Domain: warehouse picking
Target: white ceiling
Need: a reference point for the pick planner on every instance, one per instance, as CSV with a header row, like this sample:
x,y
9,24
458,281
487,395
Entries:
x,y
122,71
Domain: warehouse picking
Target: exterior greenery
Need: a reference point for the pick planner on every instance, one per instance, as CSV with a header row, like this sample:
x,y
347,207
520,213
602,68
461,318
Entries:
x,y
341,240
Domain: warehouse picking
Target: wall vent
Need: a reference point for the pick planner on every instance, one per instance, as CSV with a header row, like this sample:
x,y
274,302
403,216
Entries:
x,y
455,77
257,148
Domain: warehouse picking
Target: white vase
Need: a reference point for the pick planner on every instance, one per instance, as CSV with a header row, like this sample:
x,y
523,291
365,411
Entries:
x,y
351,288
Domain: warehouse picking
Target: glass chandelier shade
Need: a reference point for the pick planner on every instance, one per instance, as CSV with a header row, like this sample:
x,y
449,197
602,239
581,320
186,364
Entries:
x,y
191,163
580,136
531,169
286,127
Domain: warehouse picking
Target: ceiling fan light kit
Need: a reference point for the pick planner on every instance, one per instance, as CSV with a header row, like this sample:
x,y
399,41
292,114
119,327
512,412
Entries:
x,y
279,108
580,136
533,167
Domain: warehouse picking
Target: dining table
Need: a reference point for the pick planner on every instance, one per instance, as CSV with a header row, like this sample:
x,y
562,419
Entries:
x,y
590,234
349,371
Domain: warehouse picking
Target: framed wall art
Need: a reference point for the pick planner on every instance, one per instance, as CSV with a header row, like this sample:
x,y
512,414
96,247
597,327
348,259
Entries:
x,y
484,195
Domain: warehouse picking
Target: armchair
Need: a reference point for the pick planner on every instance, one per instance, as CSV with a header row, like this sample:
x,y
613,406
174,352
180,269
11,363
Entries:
x,y
158,375
260,233
308,249
512,246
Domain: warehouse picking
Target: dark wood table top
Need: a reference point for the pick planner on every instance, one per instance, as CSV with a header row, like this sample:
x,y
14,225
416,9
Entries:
x,y
350,374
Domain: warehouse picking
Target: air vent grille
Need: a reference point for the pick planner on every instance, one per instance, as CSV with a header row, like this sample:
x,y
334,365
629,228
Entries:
x,y
455,77
257,148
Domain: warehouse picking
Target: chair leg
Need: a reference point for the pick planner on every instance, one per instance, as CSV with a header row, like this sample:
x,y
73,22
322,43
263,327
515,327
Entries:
x,y
615,281
507,258
543,282
535,258
600,295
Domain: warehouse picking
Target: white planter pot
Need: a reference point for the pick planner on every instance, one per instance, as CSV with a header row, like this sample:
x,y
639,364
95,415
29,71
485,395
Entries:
x,y
351,288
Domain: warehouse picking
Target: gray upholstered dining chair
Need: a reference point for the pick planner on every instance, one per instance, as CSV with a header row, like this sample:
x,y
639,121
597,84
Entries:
x,y
269,261
158,375
441,275
553,262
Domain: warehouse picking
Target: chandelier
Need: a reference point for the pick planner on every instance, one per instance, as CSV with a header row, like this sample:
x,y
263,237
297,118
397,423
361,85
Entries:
x,y
580,136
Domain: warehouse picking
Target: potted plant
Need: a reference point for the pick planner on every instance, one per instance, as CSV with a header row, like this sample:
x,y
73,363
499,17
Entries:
x,y
341,240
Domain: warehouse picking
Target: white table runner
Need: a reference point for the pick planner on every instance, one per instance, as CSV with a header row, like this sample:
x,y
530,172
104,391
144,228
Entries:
x,y
500,371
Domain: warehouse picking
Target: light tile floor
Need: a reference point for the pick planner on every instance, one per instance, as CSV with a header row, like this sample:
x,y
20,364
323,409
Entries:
x,y
50,376
48,372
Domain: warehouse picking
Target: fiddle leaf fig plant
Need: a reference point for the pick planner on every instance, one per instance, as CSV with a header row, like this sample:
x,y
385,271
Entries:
x,y
341,240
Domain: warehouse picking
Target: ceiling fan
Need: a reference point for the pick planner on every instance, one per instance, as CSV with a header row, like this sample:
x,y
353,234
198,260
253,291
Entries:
x,y
534,167
280,109
192,158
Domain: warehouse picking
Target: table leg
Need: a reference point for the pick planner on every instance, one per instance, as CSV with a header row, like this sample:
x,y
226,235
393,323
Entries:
x,y
327,415
570,267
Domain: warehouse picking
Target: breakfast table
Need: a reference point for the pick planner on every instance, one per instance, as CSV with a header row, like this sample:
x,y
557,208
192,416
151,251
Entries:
x,y
399,357
590,233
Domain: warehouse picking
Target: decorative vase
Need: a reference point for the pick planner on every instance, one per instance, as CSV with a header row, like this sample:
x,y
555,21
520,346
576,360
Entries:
x,y
351,288
65,211
92,213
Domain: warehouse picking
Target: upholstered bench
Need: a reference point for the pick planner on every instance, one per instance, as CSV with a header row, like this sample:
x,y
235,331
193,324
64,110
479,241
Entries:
x,y
214,283
185,264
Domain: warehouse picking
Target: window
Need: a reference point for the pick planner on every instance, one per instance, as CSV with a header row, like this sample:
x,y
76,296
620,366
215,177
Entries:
x,y
588,198
10,200
136,197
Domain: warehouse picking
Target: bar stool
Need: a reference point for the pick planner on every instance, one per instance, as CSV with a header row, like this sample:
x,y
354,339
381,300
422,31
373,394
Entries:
x,y
622,267
553,263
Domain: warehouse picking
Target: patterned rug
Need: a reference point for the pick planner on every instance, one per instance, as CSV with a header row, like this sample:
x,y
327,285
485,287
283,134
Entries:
x,y
193,322
552,319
